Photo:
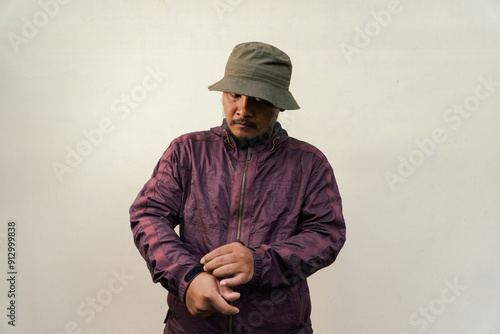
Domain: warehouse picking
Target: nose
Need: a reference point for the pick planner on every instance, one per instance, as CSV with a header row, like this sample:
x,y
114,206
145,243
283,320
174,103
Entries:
x,y
244,106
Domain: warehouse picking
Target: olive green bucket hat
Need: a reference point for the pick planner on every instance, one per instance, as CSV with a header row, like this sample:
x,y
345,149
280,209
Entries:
x,y
259,70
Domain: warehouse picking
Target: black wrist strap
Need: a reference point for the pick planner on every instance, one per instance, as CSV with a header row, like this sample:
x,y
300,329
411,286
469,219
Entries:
x,y
192,273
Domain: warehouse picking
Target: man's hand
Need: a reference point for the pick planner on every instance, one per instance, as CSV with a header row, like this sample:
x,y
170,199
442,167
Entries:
x,y
233,263
205,296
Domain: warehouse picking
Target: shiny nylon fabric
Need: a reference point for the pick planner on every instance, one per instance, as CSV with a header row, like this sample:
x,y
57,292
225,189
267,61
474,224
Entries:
x,y
291,219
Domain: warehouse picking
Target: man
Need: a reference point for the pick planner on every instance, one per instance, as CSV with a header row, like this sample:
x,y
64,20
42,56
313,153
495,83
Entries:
x,y
258,211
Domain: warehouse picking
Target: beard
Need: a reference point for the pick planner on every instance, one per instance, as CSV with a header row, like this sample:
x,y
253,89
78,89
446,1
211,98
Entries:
x,y
243,142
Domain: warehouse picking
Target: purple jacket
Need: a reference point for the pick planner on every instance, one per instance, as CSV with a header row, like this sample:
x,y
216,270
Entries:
x,y
280,199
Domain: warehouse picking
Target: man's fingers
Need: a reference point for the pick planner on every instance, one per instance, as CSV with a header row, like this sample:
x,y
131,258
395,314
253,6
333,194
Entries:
x,y
228,294
222,306
226,270
233,281
233,261
205,296
218,262
216,253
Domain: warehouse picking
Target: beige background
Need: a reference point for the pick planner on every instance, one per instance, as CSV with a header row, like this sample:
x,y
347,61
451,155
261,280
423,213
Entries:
x,y
380,84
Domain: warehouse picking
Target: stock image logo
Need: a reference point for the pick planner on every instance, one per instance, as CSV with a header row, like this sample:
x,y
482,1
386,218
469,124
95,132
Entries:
x,y
122,107
364,36
32,26
426,315
95,304
453,117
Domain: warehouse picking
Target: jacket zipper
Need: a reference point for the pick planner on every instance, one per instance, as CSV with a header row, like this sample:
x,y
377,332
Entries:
x,y
243,181
240,215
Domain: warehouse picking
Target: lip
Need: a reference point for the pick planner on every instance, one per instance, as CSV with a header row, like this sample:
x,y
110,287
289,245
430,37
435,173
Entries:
x,y
243,128
244,125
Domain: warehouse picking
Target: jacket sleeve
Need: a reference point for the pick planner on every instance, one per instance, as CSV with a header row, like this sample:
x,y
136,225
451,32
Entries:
x,y
153,217
319,237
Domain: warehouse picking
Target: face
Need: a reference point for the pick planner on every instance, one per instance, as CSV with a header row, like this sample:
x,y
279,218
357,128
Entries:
x,y
248,117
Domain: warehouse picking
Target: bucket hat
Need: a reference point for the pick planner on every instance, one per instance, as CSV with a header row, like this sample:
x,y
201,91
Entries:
x,y
258,70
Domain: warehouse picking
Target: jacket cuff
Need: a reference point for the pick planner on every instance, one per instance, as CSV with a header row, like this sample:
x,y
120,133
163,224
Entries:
x,y
257,267
186,281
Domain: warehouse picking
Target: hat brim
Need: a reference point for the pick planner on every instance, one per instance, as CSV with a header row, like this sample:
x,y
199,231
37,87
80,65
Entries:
x,y
280,98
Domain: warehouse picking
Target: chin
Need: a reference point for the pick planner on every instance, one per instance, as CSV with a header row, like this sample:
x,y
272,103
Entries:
x,y
244,135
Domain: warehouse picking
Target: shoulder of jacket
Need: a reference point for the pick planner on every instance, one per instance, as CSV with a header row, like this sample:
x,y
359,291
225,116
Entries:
x,y
185,143
197,136
307,149
300,145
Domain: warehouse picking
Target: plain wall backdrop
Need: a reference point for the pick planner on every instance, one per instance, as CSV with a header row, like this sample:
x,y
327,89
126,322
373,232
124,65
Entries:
x,y
401,96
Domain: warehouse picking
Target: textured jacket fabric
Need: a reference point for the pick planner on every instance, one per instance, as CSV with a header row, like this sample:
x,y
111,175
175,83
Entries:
x,y
280,199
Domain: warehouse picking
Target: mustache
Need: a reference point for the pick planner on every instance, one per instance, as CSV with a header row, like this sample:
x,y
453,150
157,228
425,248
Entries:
x,y
244,122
